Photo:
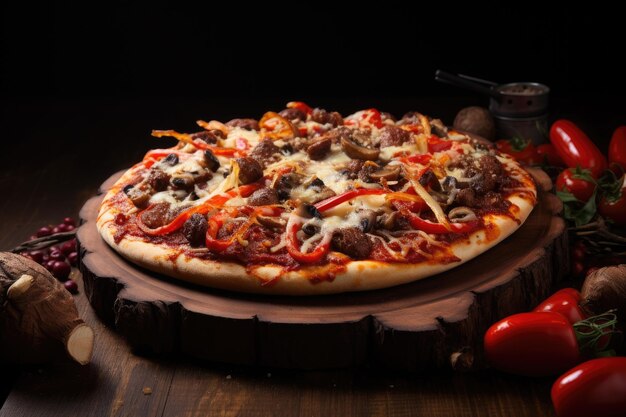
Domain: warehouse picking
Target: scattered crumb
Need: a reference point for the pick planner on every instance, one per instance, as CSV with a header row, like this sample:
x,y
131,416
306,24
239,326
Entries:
x,y
269,375
229,376
392,386
147,390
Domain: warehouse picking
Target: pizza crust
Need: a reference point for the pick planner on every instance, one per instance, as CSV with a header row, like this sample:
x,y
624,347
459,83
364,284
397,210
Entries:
x,y
359,275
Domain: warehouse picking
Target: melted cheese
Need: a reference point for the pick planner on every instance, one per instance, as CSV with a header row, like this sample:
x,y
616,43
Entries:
x,y
250,136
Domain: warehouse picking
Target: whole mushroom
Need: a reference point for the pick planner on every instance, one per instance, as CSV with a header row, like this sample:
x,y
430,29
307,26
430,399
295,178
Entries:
x,y
476,120
38,315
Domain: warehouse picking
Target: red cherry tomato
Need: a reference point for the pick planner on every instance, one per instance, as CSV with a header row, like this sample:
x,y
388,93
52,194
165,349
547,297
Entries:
x,y
522,150
575,147
565,302
547,154
532,344
617,147
576,181
594,388
615,208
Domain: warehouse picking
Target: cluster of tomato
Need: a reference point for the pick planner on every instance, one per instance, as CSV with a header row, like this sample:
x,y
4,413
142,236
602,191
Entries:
x,y
558,337
585,178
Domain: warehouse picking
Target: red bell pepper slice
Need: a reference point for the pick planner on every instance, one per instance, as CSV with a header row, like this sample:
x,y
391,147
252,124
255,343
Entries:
x,y
348,195
422,159
303,107
310,257
280,130
437,228
212,203
370,117
436,144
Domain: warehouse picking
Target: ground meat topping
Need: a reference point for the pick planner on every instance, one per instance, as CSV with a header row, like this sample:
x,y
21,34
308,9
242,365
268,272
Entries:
x,y
265,152
156,216
195,229
393,136
352,241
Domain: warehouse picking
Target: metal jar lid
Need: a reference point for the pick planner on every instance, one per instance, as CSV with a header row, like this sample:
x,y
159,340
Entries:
x,y
520,99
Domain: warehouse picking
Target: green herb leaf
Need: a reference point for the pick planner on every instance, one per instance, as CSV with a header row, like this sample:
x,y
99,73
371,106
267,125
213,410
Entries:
x,y
583,174
566,197
518,143
611,186
574,212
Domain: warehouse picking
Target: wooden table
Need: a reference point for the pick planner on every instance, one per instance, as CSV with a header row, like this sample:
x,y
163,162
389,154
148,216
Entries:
x,y
58,153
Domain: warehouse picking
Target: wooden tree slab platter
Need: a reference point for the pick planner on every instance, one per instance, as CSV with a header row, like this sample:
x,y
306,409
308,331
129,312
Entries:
x,y
436,323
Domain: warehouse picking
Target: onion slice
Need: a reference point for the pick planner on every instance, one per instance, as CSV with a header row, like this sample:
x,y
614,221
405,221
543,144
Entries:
x,y
428,199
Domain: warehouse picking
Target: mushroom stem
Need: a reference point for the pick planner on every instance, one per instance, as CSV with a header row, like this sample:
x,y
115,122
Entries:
x,y
79,344
19,287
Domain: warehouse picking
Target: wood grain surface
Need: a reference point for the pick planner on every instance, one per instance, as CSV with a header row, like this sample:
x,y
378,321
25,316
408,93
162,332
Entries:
x,y
61,173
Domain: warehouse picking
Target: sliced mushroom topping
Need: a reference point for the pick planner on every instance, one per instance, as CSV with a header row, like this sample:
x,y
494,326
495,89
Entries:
x,y
138,197
211,160
438,128
387,221
389,173
450,183
461,215
319,148
271,222
368,219
358,152
182,181
308,211
323,193
310,228
171,159
201,175
286,183
429,179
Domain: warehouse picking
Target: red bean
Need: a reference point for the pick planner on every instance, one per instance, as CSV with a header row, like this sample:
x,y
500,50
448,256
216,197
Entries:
x,y
69,227
68,247
60,228
37,255
69,221
49,265
44,231
57,255
61,270
71,286
73,258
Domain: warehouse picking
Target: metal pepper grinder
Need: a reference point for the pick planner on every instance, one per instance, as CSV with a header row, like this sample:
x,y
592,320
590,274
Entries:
x,y
521,110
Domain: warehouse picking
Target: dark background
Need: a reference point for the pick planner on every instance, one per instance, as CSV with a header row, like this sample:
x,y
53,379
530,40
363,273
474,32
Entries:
x,y
182,49
88,75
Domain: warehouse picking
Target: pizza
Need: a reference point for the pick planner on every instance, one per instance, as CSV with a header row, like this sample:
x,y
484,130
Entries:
x,y
306,201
